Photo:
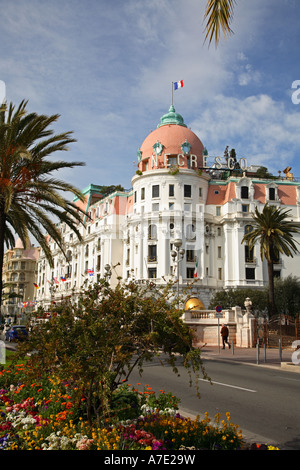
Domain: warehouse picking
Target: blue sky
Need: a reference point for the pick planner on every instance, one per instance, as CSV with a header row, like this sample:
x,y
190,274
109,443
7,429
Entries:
x,y
107,67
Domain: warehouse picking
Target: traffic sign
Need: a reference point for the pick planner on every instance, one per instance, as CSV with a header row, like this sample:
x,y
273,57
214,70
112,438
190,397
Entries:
x,y
218,309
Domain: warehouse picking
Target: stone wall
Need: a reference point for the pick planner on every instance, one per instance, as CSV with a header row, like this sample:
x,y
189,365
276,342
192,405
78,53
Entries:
x,y
207,327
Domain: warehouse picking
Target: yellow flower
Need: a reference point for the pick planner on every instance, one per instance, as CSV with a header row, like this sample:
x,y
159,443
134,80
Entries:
x,y
217,418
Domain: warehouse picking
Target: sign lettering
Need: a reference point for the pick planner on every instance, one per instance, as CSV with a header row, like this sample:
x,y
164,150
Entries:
x,y
171,160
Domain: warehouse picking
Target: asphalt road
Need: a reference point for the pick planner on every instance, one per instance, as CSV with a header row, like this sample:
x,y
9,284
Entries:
x,y
263,402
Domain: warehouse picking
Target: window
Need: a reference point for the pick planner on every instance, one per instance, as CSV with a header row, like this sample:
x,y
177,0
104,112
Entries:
x,y
191,232
135,196
190,256
171,190
152,232
152,273
249,254
142,194
271,194
220,274
250,274
155,190
152,253
248,229
190,272
200,192
244,192
98,265
218,210
245,208
128,257
187,207
187,190
171,206
219,252
155,207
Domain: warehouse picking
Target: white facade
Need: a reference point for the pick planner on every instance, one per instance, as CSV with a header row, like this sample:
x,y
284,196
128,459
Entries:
x,y
173,197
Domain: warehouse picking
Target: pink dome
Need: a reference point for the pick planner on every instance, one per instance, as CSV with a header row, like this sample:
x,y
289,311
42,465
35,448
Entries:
x,y
171,139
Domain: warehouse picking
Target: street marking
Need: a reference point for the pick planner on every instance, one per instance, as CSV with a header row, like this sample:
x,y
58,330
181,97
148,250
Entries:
x,y
232,386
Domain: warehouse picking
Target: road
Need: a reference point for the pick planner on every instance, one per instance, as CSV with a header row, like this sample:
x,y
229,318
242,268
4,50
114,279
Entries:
x,y
263,402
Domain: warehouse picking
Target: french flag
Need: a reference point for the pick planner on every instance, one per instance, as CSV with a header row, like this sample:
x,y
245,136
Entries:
x,y
178,85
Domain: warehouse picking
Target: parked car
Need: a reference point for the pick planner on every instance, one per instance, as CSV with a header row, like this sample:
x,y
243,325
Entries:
x,y
16,332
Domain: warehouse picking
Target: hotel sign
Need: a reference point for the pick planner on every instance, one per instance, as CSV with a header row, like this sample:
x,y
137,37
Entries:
x,y
171,160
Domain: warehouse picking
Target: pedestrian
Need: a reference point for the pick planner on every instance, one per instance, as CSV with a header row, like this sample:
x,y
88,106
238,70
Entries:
x,y
224,334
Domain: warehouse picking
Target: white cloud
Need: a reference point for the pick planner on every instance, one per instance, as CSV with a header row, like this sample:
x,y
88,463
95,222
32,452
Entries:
x,y
258,127
107,68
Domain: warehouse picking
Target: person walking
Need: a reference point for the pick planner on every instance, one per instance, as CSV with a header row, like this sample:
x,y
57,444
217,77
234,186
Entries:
x,y
224,334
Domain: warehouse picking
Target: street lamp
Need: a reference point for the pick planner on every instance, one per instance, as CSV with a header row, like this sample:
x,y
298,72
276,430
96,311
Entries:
x,y
179,254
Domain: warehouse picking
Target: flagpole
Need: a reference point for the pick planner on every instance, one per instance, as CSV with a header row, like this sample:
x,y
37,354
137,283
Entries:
x,y
172,92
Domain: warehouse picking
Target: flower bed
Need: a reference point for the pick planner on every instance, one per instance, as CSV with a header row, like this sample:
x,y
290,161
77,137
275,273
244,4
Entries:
x,y
47,415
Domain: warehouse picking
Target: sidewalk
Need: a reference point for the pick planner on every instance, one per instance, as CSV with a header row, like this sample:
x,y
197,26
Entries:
x,y
266,358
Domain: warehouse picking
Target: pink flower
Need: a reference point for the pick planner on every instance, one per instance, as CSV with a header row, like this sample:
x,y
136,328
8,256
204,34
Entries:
x,y
84,444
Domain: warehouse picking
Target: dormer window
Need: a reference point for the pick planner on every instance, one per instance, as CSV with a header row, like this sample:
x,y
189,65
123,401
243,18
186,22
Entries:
x,y
245,189
244,192
272,194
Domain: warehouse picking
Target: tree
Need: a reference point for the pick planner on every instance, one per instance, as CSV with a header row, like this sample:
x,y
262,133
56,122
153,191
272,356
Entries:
x,y
236,297
106,190
30,197
263,172
274,233
96,343
287,295
219,14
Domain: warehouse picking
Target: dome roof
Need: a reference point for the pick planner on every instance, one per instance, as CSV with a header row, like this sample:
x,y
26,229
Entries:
x,y
171,118
171,138
194,304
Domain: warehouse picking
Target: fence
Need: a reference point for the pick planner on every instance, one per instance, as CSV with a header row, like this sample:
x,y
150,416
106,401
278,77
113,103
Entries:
x,y
283,329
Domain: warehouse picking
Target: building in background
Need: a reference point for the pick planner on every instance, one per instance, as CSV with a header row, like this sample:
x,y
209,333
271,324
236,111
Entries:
x,y
19,276
184,218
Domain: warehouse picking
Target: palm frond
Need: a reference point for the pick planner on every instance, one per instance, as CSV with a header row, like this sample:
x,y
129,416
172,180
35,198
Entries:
x,y
219,14
30,197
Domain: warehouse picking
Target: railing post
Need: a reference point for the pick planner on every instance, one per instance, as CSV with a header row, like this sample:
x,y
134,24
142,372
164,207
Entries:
x,y
280,350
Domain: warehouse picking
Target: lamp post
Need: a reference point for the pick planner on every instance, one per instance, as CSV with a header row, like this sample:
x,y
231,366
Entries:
x,y
178,253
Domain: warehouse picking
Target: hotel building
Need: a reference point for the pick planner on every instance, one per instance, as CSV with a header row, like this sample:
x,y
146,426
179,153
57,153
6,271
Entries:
x,y
182,218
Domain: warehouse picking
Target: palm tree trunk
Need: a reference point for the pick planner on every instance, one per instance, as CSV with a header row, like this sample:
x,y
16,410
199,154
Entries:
x,y
2,231
271,289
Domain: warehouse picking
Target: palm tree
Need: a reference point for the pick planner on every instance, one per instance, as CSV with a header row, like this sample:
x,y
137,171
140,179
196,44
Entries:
x,y
275,235
30,197
219,14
